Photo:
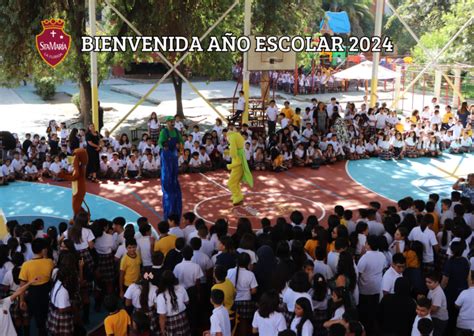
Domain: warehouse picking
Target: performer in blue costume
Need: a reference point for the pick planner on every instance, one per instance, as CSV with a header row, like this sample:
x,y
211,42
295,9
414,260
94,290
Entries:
x,y
169,141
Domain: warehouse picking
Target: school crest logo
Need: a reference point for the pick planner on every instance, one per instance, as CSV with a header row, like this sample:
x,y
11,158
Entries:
x,y
53,43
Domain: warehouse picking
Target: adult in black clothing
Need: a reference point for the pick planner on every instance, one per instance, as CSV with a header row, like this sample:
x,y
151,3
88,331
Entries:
x,y
93,149
396,312
74,142
226,257
264,268
101,116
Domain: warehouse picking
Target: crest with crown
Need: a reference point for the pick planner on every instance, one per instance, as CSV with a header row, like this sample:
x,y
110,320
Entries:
x,y
53,24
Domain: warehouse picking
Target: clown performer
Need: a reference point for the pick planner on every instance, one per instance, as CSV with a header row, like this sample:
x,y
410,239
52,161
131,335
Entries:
x,y
239,168
169,141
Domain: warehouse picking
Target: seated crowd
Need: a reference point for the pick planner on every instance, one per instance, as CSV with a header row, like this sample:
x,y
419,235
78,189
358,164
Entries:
x,y
400,270
321,134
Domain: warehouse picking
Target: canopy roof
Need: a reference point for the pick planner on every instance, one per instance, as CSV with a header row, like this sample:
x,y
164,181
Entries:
x,y
364,71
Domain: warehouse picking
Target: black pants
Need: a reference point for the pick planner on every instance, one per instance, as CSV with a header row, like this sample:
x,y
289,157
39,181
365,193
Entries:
x,y
236,117
368,311
37,300
271,127
193,309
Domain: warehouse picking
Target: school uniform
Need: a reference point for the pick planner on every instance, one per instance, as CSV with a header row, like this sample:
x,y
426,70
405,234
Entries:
x,y
133,293
83,249
176,320
322,268
105,258
6,323
307,329
60,322
204,262
440,317
144,247
289,300
388,280
269,326
414,329
244,305
465,302
428,239
220,322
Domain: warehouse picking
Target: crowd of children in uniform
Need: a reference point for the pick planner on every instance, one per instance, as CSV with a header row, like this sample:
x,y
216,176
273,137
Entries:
x,y
321,134
403,270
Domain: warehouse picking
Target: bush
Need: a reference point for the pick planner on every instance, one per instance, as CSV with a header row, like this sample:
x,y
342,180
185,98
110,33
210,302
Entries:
x,y
45,87
76,100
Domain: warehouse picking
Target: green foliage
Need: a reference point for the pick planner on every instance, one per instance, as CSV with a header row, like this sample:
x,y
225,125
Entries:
x,y
45,87
76,100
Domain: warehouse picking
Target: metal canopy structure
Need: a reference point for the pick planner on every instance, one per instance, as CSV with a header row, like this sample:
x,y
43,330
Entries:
x,y
363,71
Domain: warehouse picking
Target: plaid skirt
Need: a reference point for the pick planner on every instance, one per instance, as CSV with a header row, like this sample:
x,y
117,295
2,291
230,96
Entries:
x,y
386,155
154,319
287,314
106,267
88,268
154,133
320,316
245,309
178,325
60,323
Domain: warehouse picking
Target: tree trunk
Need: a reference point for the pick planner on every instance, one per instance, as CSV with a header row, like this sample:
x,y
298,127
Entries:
x,y
178,90
85,95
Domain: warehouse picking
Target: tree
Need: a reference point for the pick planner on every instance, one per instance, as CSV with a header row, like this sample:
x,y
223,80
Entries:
x,y
20,58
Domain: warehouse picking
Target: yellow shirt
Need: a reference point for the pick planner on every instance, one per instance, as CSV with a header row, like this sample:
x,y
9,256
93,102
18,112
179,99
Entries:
x,y
310,247
446,117
297,120
131,267
37,268
165,244
288,112
412,259
229,293
117,324
436,221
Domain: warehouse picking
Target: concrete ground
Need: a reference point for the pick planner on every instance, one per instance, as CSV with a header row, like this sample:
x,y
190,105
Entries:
x,y
21,110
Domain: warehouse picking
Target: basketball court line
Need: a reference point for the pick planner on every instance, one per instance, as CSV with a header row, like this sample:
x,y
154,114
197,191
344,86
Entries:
x,y
215,183
146,205
327,191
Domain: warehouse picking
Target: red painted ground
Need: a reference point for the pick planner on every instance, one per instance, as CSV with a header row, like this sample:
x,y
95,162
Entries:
x,y
313,192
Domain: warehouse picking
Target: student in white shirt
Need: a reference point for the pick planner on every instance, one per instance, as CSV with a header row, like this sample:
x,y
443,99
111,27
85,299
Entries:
x,y
220,321
31,172
239,109
302,323
439,306
267,320
132,168
171,301
298,287
427,237
142,297
104,243
150,167
465,304
245,284
145,245
203,260
272,115
423,309
394,272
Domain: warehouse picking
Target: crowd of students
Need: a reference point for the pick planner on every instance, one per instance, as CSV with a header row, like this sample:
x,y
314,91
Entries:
x,y
321,134
403,270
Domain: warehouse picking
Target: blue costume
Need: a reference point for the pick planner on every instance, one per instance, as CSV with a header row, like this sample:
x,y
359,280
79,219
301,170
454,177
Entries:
x,y
172,200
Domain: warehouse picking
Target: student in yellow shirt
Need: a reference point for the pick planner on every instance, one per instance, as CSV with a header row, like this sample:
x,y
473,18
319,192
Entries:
x,y
117,323
37,298
447,115
297,119
166,242
226,286
288,111
430,210
129,266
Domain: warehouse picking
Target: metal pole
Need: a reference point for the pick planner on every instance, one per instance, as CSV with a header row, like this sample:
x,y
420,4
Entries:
x,y
246,72
398,81
376,55
94,81
433,61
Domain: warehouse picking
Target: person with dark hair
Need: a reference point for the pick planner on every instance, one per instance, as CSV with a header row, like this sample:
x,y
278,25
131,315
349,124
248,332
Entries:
x,y
37,298
340,245
337,329
393,273
370,267
303,323
267,320
399,305
439,307
220,322
173,221
171,304
340,302
175,256
246,285
226,286
166,242
226,255
141,296
265,267
465,304
297,218
427,237
298,287
129,266
140,324
423,311
118,321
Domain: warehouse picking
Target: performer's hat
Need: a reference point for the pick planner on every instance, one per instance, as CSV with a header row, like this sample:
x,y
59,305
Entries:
x,y
169,118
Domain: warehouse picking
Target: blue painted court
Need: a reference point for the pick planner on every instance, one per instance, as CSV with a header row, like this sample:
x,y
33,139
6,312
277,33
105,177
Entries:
x,y
411,177
26,201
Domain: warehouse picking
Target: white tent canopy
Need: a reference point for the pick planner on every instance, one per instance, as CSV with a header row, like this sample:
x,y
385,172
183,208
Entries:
x,y
364,71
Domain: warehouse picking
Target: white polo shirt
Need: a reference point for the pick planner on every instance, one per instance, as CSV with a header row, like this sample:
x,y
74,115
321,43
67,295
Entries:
x,y
428,239
438,298
246,282
388,280
144,247
375,228
323,269
104,244
272,113
86,237
176,231
188,272
307,329
465,301
133,293
204,262
60,296
269,326
414,328
163,301
220,322
241,104
290,297
207,247
333,259
371,266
